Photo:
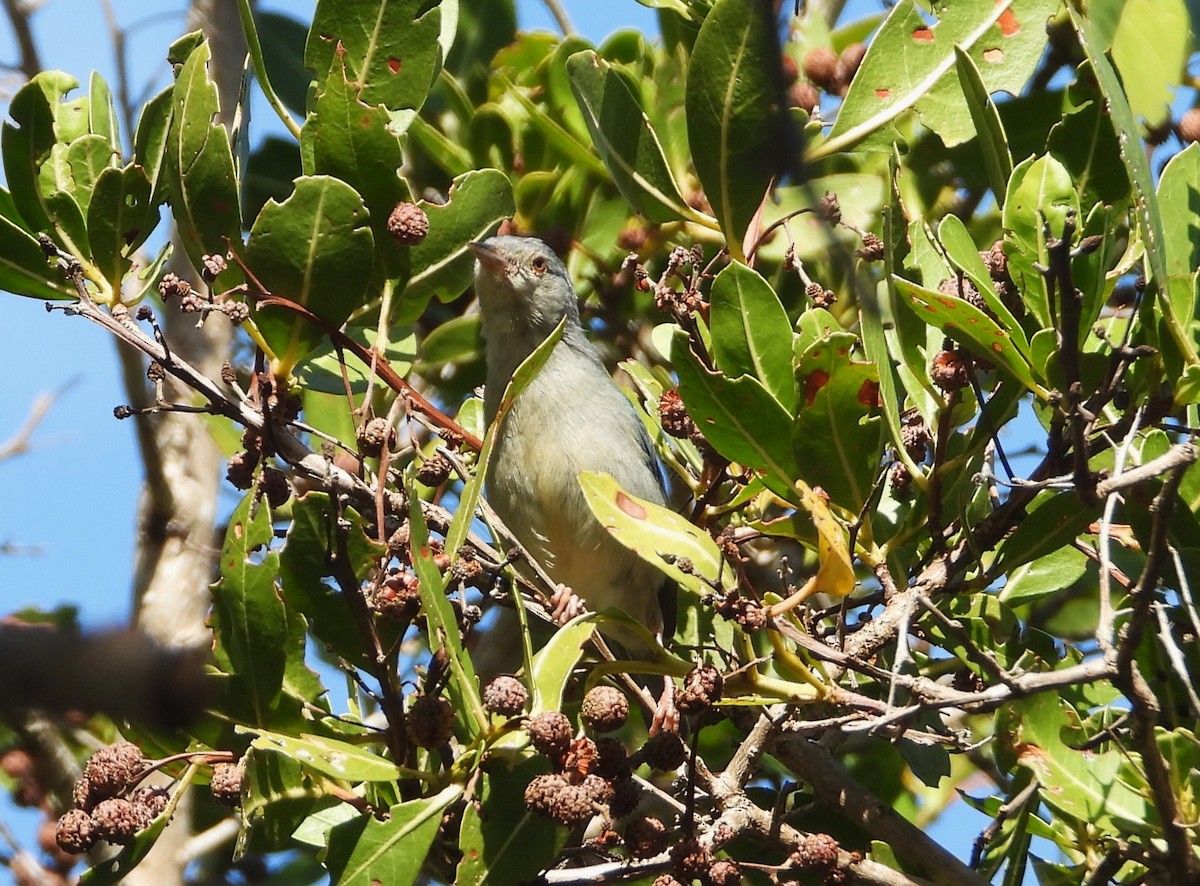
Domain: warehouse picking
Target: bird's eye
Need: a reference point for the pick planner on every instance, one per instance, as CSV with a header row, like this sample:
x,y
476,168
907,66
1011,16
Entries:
x,y
539,265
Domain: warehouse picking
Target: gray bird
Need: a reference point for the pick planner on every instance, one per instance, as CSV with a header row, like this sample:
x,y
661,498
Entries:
x,y
572,418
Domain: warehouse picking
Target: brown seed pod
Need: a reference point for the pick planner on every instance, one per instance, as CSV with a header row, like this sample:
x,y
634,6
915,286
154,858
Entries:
x,y
505,695
605,709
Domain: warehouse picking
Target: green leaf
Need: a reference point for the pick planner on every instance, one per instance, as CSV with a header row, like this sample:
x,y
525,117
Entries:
x,y
554,663
1079,784
837,437
337,759
42,119
355,142
118,216
391,47
249,614
739,417
440,265
625,139
1041,195
1055,522
501,840
962,251
658,535
989,131
1086,143
1043,577
305,561
24,269
102,112
277,795
733,102
970,327
751,332
910,64
1146,200
314,248
440,618
1150,49
1178,193
202,181
364,852
321,371
150,140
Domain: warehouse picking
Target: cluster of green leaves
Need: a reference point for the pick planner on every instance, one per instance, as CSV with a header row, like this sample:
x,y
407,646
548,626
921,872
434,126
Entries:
x,y
805,412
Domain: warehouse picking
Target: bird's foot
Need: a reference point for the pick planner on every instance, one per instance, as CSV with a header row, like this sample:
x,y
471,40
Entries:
x,y
666,714
566,605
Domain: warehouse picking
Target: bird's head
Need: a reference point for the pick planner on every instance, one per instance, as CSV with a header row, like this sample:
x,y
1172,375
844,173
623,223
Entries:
x,y
521,282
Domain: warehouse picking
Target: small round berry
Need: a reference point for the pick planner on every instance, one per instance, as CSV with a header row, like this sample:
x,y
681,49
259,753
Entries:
x,y
674,416
821,68
612,760
116,820
75,832
803,95
150,802
701,689
374,435
505,695
816,852
226,784
605,709
397,598
691,859
172,286
724,872
949,371
435,470
551,734
430,721
645,837
665,751
110,769
559,800
213,266
1189,125
848,64
872,248
408,224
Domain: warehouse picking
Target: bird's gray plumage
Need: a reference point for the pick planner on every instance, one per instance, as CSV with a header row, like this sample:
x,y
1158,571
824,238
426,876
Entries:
x,y
571,418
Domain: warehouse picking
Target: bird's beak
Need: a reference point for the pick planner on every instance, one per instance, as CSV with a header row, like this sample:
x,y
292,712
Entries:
x,y
488,257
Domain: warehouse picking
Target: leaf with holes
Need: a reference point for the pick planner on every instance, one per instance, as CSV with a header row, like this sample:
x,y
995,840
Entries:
x,y
314,249
248,615
658,535
970,327
393,49
355,142
365,851
911,64
118,215
440,264
328,756
734,96
837,437
201,179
